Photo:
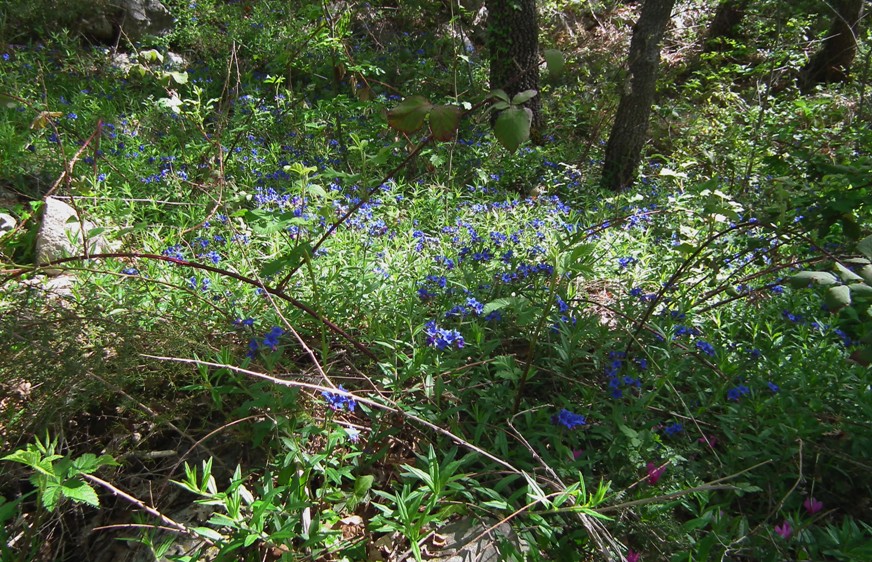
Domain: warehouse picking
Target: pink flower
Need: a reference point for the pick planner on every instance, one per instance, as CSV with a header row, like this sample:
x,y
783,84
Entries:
x,y
632,556
785,530
654,473
812,505
709,440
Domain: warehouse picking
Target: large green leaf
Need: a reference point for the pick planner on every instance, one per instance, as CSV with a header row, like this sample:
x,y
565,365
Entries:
x,y
864,246
80,492
807,278
444,121
555,62
866,273
512,127
524,97
838,297
409,115
846,274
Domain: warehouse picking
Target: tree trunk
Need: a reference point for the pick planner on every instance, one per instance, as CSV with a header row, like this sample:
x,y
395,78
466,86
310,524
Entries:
x,y
513,41
833,61
624,149
728,16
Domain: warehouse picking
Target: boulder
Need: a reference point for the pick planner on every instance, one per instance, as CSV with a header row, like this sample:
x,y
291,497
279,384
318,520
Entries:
x,y
141,17
7,223
468,539
60,234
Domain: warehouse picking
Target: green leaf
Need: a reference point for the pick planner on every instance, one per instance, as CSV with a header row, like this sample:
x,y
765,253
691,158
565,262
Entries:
x,y
501,105
409,115
495,305
864,246
805,278
81,492
363,484
151,55
523,97
555,62
208,533
7,101
444,121
51,496
860,290
846,274
512,127
178,77
291,260
866,273
500,95
838,297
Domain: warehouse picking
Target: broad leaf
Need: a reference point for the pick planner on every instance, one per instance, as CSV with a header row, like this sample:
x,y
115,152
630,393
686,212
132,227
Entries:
x,y
846,274
409,115
864,246
81,492
524,97
860,290
444,121
500,95
838,297
554,61
512,127
807,278
866,273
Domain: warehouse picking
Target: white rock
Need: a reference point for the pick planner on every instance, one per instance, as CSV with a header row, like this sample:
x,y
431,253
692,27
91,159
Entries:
x,y
7,223
60,234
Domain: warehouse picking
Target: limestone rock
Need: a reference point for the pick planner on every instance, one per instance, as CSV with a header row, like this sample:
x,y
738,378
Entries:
x,y
145,16
460,541
7,223
60,234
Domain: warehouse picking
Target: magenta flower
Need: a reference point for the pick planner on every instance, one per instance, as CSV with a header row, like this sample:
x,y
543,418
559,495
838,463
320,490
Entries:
x,y
709,440
632,556
655,472
784,530
812,505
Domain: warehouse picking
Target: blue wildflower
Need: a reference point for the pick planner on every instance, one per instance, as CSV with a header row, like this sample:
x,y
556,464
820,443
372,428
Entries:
x,y
271,339
568,419
441,338
705,347
673,429
339,401
734,394
773,387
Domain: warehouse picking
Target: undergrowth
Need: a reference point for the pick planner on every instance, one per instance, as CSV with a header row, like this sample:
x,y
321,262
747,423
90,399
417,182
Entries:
x,y
336,339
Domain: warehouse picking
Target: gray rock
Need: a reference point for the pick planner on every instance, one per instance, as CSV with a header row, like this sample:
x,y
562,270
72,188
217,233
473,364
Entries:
x,y
99,27
141,17
7,223
463,542
60,234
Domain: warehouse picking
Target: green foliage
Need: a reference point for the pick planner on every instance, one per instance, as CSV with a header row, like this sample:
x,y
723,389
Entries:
x,y
551,359
58,477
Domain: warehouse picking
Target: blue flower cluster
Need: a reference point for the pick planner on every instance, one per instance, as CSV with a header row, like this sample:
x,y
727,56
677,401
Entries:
x,y
617,383
568,419
441,338
270,340
336,401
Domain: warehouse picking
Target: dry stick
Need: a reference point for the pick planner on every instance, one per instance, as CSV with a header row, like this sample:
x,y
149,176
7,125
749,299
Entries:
x,y
147,508
198,443
317,387
354,208
672,279
595,528
259,284
154,415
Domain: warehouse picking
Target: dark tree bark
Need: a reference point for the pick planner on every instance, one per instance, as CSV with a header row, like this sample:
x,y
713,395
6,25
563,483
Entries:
x,y
513,41
629,132
833,61
728,16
